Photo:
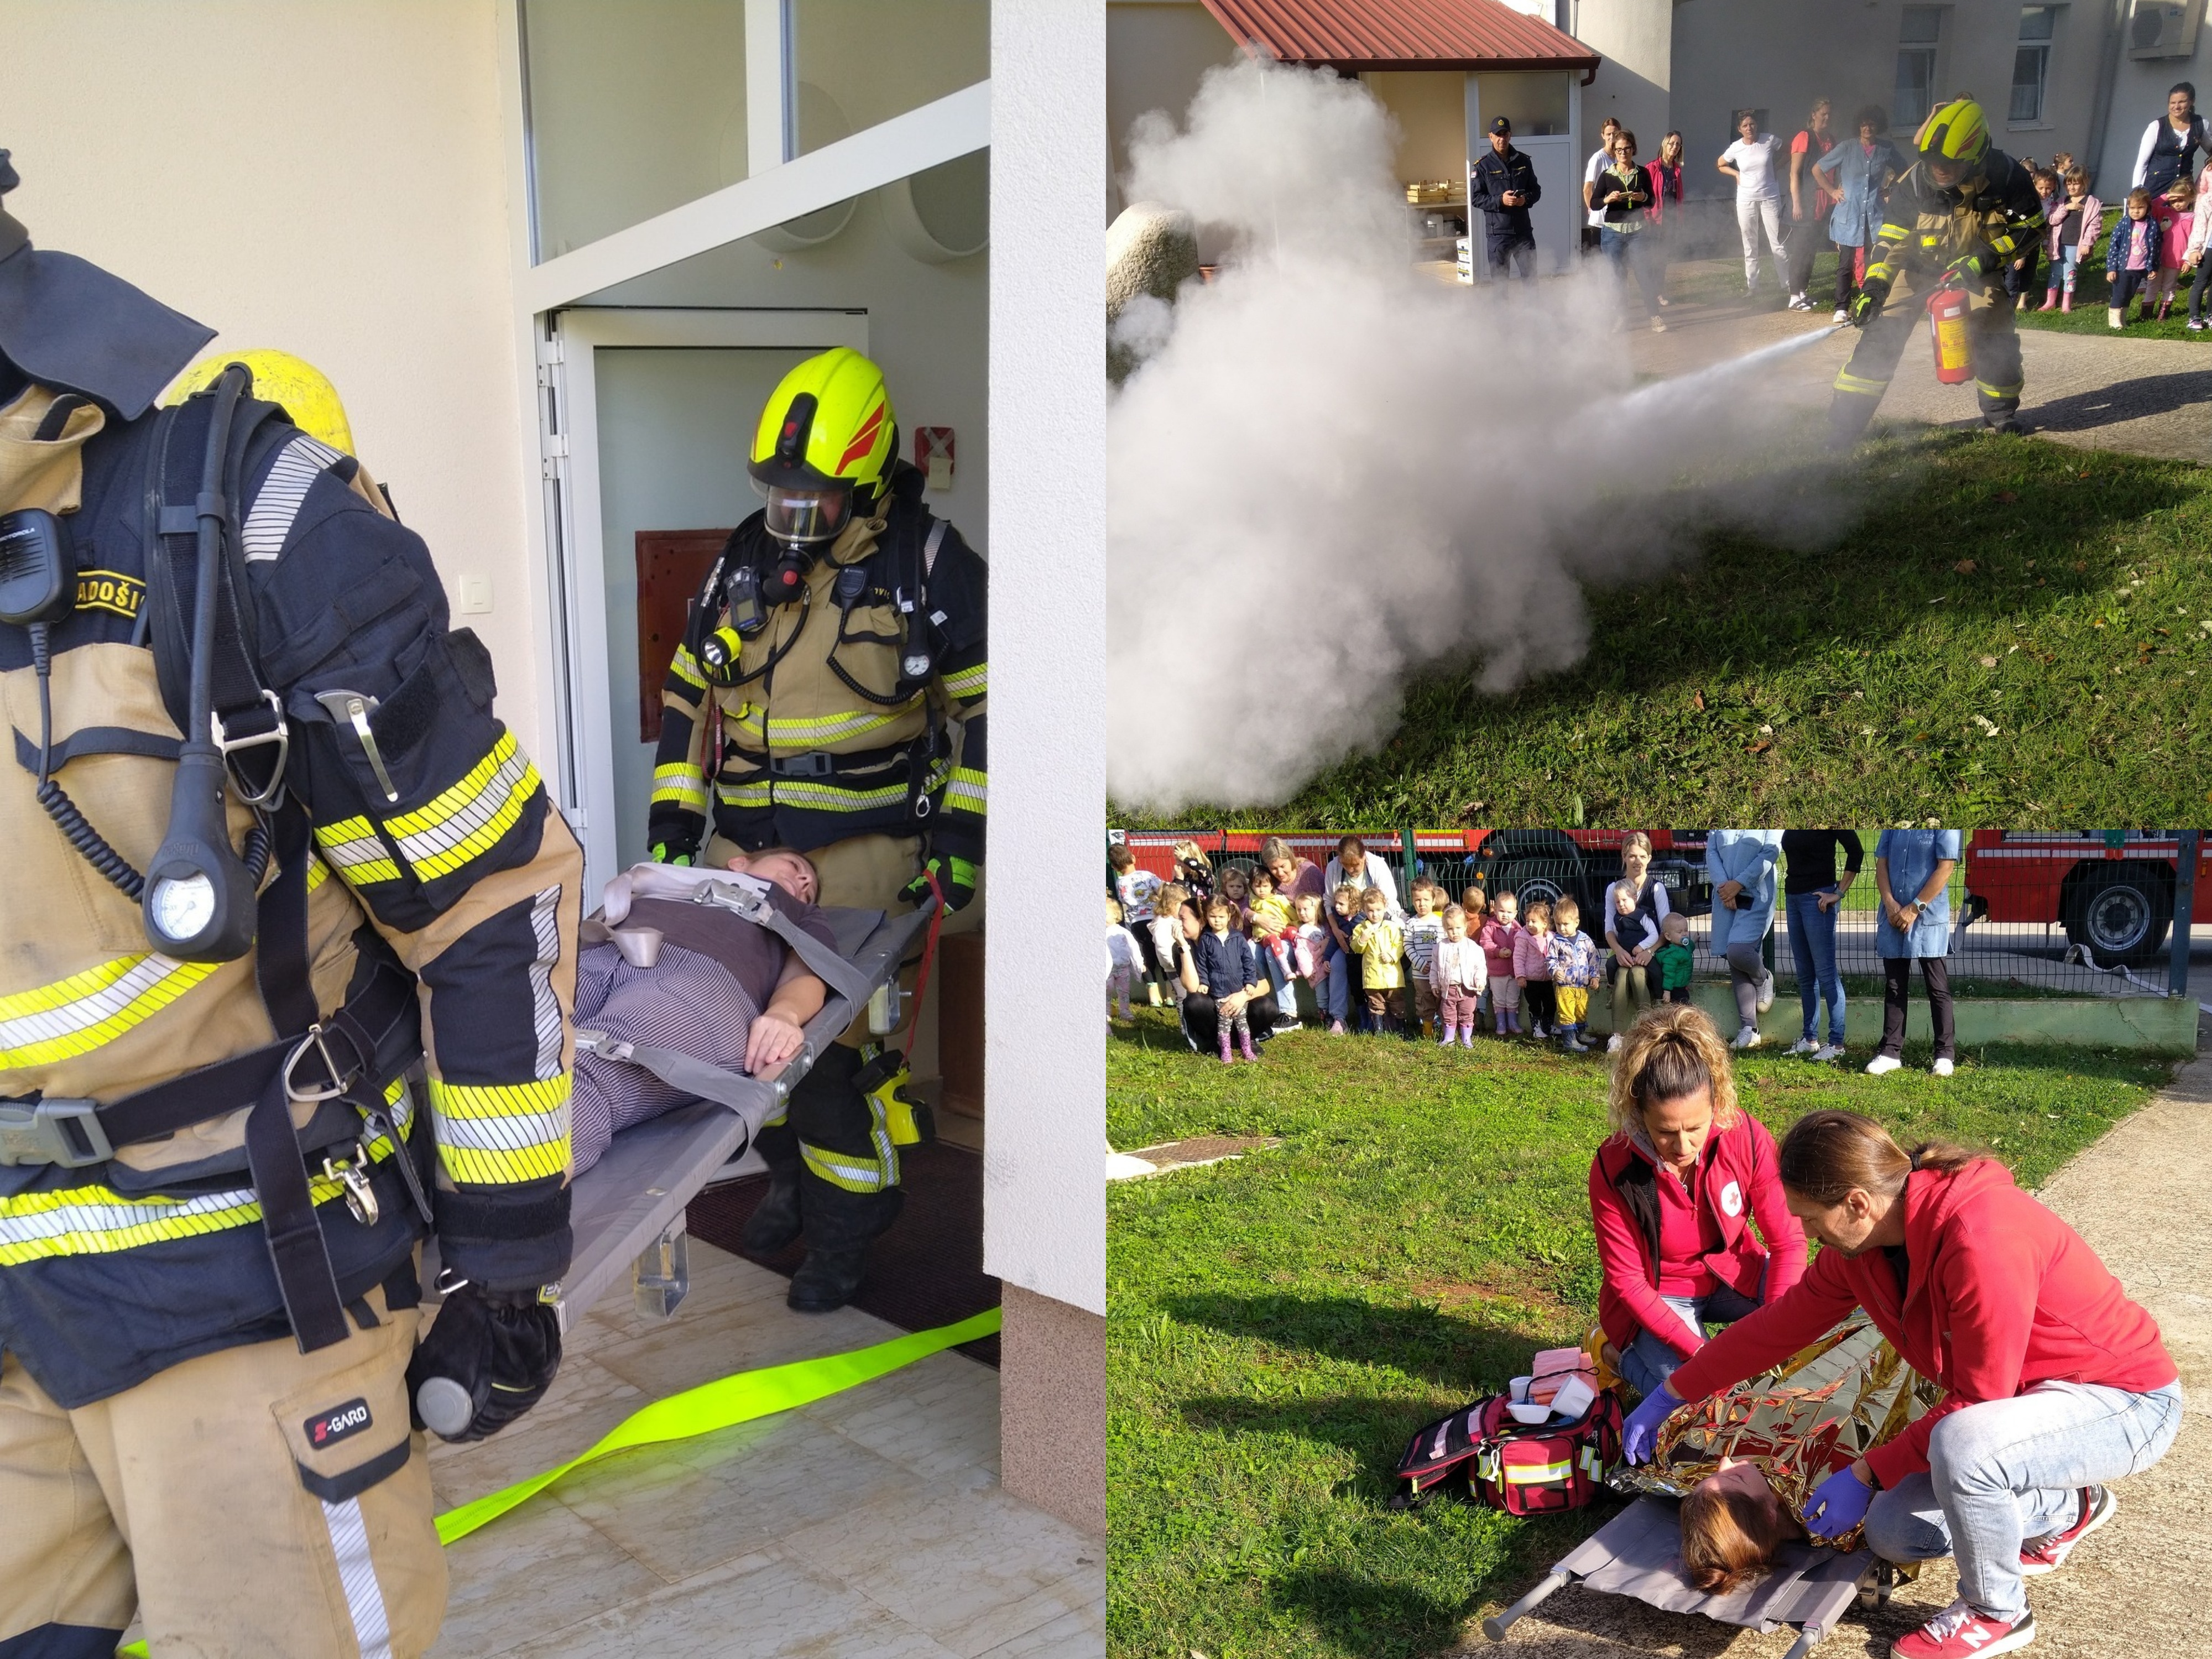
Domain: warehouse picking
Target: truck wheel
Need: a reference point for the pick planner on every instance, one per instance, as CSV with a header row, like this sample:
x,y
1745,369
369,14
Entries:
x,y
2120,913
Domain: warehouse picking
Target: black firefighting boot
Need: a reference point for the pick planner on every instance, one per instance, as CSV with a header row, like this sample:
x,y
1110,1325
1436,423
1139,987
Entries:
x,y
776,1222
840,1226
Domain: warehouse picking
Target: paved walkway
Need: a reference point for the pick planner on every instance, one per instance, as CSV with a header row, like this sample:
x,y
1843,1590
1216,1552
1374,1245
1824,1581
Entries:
x,y
2143,1586
2146,395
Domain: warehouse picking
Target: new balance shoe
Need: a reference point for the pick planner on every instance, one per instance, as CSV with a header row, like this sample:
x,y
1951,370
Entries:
x,y
1881,1065
2049,1554
1960,1632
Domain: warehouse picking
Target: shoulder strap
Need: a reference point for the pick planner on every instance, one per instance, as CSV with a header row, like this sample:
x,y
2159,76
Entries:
x,y
1637,1183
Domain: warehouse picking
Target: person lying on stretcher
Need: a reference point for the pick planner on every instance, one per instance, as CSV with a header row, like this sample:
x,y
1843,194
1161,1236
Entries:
x,y
721,989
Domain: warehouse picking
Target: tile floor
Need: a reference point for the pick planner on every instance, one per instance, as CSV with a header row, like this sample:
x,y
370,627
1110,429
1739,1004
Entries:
x,y
868,1523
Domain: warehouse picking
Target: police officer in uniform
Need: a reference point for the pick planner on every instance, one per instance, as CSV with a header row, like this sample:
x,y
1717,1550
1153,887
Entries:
x,y
266,844
828,695
1963,211
1503,187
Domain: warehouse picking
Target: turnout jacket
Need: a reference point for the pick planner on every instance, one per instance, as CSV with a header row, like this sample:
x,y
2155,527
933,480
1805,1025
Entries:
x,y
1996,214
2000,1295
824,735
436,858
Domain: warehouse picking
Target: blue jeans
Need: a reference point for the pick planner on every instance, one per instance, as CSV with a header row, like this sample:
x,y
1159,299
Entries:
x,y
1624,249
1650,1359
2007,1471
1813,947
1336,990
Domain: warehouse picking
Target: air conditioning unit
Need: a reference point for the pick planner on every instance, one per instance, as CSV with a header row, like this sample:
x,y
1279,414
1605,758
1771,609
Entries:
x,y
2164,28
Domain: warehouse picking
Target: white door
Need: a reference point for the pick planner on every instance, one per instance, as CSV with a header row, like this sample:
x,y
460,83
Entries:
x,y
650,415
1559,215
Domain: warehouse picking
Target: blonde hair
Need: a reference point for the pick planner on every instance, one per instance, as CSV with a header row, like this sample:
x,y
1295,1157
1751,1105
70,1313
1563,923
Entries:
x,y
1299,905
1475,901
1671,1051
1113,911
1538,912
1451,910
1637,841
1566,911
1349,889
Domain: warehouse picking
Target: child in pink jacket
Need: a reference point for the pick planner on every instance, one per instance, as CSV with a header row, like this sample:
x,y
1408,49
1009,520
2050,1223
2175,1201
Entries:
x,y
1532,969
1495,936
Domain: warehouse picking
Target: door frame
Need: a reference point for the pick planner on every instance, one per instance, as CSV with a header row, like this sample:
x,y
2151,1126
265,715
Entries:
x,y
584,708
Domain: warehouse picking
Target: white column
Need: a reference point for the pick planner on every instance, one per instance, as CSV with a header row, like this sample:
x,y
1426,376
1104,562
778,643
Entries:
x,y
767,49
1044,1202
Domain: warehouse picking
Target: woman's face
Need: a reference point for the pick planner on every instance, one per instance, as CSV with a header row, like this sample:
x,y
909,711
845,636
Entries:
x,y
1867,134
1634,861
1283,869
2179,106
1623,151
1192,926
1679,1128
1741,1475
1748,128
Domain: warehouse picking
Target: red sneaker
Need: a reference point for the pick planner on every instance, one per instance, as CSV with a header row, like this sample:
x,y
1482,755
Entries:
x,y
2049,1554
1960,1632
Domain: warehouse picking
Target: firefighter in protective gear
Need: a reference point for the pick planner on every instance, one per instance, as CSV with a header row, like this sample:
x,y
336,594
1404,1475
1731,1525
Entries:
x,y
216,1174
1963,211
828,695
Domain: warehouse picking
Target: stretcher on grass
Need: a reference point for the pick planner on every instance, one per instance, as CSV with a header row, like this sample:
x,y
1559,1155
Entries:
x,y
627,1210
1834,1401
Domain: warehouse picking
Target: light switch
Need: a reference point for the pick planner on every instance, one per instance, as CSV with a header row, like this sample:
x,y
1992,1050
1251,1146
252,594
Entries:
x,y
475,595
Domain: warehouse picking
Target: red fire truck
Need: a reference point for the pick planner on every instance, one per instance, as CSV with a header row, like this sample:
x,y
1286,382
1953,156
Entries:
x,y
2113,890
1532,864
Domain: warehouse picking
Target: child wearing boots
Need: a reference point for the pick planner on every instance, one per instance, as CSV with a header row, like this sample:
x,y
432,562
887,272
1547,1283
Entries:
x,y
1496,935
2077,222
1229,967
1532,970
1269,923
1379,942
1575,974
1457,974
1674,961
1476,913
1424,930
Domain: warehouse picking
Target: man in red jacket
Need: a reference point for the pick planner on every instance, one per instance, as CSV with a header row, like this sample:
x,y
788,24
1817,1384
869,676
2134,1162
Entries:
x,y
2054,1381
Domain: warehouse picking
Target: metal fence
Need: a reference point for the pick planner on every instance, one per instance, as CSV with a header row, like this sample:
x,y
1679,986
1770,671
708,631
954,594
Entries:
x,y
2057,913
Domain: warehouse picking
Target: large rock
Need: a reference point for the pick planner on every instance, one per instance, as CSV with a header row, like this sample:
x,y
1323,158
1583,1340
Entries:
x,y
1150,251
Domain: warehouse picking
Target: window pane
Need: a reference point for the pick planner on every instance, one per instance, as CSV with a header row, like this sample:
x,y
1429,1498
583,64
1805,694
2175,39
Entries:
x,y
860,62
1916,76
1923,26
633,109
2038,22
2027,71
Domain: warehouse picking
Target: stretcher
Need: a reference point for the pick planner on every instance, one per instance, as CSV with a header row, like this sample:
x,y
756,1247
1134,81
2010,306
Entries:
x,y
627,1210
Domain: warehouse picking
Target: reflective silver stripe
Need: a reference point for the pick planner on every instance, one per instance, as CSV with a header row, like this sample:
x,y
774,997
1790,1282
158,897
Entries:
x,y
515,1132
544,1007
371,1628
304,461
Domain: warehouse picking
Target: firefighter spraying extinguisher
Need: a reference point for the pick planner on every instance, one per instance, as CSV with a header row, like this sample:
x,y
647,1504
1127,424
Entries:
x,y
1947,332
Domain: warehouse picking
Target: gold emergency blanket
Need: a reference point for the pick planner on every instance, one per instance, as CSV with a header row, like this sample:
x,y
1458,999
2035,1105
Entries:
x,y
1830,1404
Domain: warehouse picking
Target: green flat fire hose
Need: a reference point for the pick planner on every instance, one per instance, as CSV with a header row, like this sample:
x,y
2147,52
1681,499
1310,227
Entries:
x,y
720,1404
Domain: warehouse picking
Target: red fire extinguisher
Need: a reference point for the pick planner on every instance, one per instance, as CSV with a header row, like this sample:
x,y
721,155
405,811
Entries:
x,y
1947,332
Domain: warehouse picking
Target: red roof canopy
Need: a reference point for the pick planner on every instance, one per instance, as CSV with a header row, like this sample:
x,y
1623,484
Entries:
x,y
1400,34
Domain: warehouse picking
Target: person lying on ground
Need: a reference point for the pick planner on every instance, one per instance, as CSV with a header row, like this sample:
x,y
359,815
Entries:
x,y
2054,1383
723,989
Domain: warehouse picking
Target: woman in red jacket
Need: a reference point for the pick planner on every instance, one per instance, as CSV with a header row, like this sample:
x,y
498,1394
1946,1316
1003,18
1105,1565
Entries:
x,y
1673,1193
2054,1381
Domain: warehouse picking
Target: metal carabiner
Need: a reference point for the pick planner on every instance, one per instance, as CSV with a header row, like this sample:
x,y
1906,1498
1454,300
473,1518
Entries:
x,y
281,736
360,1196
339,1081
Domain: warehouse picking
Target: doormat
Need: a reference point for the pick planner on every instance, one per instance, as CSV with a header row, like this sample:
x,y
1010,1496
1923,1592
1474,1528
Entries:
x,y
926,1271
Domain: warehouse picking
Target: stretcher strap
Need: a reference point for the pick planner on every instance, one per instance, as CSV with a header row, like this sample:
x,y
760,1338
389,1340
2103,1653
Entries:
x,y
718,1405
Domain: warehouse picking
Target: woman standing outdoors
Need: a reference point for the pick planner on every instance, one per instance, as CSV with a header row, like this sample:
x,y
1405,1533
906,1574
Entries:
x,y
1620,196
1812,893
2054,1382
1860,171
1674,1192
1632,989
2170,146
1740,864
1809,199
1666,176
1750,162
1912,872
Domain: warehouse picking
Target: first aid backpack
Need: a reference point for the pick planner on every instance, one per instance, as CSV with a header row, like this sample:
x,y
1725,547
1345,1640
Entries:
x,y
1522,1468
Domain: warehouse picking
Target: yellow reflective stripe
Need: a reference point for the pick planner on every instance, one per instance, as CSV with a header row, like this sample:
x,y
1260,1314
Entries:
x,y
685,667
854,1175
682,783
1847,381
2012,391
969,789
100,1221
796,733
968,682
78,1014
1533,1474
352,846
492,1133
758,791
318,872
467,820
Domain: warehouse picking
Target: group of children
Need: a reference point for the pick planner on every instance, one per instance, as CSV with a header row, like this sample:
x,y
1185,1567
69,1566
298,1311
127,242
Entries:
x,y
2158,240
1474,965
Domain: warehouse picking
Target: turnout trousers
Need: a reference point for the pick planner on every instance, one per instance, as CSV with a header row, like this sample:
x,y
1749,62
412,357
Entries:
x,y
1992,347
256,1500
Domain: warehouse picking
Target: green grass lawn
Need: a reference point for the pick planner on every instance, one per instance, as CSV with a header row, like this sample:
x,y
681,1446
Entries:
x,y
1279,1325
2055,595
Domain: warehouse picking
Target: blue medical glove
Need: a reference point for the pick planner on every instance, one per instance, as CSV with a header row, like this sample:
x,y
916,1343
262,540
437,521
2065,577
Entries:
x,y
1838,1504
1636,1436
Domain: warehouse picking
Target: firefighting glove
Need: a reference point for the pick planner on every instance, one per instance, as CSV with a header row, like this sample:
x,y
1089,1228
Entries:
x,y
1966,268
956,883
663,854
1873,295
488,1359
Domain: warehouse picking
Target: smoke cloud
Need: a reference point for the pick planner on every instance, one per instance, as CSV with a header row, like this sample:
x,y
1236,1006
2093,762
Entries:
x,y
1330,470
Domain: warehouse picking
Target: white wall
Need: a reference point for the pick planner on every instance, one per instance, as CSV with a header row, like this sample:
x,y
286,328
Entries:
x,y
1634,82
208,154
1430,108
2139,91
1044,1216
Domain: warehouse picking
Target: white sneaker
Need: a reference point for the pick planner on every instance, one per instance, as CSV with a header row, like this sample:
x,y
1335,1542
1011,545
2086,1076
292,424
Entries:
x,y
1803,1046
1882,1065
1613,1043
1942,1068
1826,1052
1766,994
1799,302
1842,315
1748,1037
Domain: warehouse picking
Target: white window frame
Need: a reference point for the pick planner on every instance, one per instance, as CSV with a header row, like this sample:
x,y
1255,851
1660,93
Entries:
x,y
1933,50
2046,46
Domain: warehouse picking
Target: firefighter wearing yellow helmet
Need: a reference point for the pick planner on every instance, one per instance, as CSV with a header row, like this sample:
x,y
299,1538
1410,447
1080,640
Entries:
x,y
828,695
1964,211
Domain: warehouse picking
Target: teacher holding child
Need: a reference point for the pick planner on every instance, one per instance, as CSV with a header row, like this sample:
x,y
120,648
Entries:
x,y
2055,1383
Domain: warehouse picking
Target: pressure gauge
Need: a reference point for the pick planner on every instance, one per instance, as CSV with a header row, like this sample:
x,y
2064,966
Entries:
x,y
182,906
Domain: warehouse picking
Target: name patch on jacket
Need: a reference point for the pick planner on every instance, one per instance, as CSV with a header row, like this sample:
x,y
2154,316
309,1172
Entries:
x,y
339,1423
106,590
